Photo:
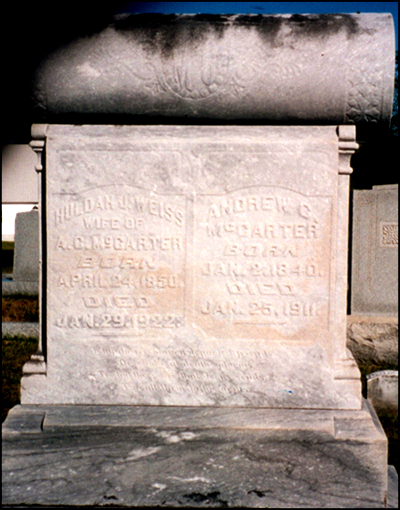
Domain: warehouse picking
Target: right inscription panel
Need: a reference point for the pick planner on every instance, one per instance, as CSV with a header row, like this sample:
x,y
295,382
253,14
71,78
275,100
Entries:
x,y
261,264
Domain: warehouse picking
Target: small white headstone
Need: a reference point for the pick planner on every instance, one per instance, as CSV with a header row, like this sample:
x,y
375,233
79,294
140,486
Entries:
x,y
383,390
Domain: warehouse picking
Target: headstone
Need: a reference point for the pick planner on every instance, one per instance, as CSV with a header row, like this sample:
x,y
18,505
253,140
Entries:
x,y
375,246
19,189
25,276
383,390
193,350
194,266
26,247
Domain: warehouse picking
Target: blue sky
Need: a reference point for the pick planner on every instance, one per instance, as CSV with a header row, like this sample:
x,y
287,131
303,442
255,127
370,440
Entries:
x,y
262,8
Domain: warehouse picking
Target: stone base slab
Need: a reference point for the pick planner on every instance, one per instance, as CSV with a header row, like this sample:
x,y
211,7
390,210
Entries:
x,y
194,457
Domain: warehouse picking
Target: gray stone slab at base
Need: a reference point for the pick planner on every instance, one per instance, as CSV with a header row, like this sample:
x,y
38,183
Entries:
x,y
196,457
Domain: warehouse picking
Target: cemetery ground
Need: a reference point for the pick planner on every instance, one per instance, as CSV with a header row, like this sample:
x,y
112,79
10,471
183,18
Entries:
x,y
17,351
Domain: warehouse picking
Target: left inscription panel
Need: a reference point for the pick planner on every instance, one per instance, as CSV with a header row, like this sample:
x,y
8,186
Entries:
x,y
116,258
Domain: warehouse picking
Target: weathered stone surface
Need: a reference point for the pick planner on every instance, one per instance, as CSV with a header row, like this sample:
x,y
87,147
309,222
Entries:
x,y
144,456
369,340
197,266
330,68
26,250
374,282
373,339
383,390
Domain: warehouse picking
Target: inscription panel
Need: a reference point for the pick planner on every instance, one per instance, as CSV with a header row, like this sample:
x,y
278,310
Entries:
x,y
118,261
262,263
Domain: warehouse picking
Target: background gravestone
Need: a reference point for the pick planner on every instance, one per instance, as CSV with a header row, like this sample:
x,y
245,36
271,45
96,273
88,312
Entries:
x,y
26,251
383,391
375,251
25,276
20,233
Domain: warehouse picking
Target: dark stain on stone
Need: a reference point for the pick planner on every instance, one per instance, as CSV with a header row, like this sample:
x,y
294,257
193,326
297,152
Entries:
x,y
258,493
301,26
325,24
267,27
166,33
208,499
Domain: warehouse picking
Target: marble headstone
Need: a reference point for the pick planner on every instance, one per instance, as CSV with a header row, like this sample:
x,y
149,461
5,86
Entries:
x,y
196,266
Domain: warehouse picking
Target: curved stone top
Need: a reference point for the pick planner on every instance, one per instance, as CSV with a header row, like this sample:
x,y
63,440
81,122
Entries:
x,y
330,69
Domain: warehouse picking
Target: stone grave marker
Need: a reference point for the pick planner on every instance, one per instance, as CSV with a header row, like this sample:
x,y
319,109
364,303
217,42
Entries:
x,y
26,251
25,276
375,251
195,282
194,266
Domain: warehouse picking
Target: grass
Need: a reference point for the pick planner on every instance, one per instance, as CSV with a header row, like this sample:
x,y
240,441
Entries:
x,y
15,352
20,309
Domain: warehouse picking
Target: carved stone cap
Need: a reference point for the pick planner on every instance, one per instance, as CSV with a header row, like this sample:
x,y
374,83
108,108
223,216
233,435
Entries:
x,y
329,69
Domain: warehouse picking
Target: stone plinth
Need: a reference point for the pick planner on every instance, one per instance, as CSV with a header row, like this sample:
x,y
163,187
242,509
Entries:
x,y
196,266
329,68
194,457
